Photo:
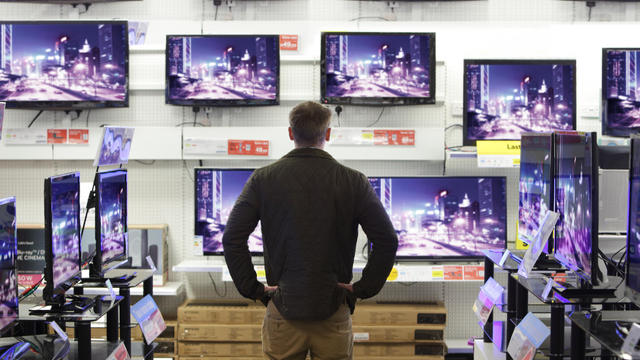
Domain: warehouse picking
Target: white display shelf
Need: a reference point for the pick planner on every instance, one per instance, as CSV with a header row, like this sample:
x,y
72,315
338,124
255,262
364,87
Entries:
x,y
171,288
486,351
458,346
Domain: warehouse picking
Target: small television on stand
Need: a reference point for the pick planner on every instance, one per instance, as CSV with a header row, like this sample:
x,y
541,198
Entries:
x,y
8,275
620,96
632,273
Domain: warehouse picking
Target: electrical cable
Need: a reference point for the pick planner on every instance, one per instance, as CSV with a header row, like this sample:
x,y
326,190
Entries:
x,y
35,118
370,17
215,287
215,17
145,163
191,123
379,117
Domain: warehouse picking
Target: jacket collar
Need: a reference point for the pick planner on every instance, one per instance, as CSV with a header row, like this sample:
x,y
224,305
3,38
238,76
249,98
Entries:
x,y
309,152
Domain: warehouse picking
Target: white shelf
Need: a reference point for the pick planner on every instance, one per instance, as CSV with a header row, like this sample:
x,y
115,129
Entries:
x,y
458,346
212,265
171,288
486,351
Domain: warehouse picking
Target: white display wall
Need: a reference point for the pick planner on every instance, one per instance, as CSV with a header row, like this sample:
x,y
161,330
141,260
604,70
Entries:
x,y
161,191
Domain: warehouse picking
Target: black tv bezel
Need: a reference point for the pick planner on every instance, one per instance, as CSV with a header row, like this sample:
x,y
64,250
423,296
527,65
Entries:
x,y
75,105
219,102
195,205
12,324
55,294
606,130
465,95
552,191
97,267
378,101
448,258
592,277
629,292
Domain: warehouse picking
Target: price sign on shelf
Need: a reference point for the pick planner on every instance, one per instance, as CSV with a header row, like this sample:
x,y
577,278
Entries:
x,y
248,147
289,42
394,137
56,136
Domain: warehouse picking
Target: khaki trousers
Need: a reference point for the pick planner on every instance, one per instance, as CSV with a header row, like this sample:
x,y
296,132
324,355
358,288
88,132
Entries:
x,y
330,339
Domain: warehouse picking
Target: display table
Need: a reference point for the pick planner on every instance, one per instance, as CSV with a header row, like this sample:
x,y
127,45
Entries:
x,y
603,326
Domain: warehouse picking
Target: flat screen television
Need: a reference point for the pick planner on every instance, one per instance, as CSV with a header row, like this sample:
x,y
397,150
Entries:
x,y
62,235
505,98
378,68
216,191
536,185
445,217
8,255
64,65
110,221
222,70
576,197
620,93
632,277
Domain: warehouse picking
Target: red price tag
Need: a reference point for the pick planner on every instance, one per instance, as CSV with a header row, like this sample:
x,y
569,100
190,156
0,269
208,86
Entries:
x,y
474,272
394,137
289,42
56,136
79,136
453,272
248,147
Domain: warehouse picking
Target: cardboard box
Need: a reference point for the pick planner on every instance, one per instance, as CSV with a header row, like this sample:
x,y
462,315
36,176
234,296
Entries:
x,y
408,349
222,358
399,314
170,333
169,347
213,349
208,312
417,357
390,333
220,332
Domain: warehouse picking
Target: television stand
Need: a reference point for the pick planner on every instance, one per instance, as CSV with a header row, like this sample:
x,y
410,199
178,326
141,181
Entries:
x,y
76,304
116,279
572,292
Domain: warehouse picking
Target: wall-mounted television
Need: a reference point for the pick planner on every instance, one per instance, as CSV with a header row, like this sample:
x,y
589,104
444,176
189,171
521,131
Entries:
x,y
576,197
8,256
64,65
445,217
378,68
216,191
222,70
632,278
620,92
536,185
505,98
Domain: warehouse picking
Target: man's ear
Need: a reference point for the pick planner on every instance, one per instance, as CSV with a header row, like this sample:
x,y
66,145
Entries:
x,y
328,134
290,133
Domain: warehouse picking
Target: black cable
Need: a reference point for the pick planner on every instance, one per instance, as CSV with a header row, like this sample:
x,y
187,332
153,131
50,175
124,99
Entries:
x,y
590,5
35,118
215,287
145,163
379,117
370,17
88,114
215,17
452,126
191,123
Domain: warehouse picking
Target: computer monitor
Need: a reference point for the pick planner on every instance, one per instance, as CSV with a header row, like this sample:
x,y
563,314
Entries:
x,y
505,98
8,254
62,235
620,99
222,70
445,217
536,185
632,277
111,221
64,65
216,191
378,68
576,197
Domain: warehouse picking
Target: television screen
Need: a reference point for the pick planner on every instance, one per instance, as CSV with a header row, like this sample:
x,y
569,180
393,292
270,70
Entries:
x,y
378,68
219,70
632,280
112,215
64,65
216,193
576,186
620,93
505,98
65,227
536,184
445,217
8,254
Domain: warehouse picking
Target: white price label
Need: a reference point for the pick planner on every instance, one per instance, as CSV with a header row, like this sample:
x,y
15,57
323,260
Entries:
x,y
360,336
504,258
630,342
112,292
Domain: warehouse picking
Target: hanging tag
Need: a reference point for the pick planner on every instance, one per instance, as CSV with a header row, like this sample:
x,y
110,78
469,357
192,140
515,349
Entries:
x,y
504,258
547,288
152,266
112,292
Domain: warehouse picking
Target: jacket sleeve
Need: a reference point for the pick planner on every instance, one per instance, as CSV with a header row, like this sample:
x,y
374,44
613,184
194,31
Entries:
x,y
382,236
242,222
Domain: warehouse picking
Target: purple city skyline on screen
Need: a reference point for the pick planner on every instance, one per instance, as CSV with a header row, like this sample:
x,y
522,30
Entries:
x,y
223,67
113,221
505,100
445,216
622,104
375,66
8,297
65,228
63,62
216,193
573,185
633,236
8,254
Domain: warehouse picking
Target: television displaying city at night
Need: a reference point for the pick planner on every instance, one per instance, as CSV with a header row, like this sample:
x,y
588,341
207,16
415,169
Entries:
x,y
112,212
575,184
8,255
621,96
536,180
505,98
367,68
216,193
223,70
66,65
445,217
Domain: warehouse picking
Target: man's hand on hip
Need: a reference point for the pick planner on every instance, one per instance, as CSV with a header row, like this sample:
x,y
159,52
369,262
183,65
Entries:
x,y
268,288
348,287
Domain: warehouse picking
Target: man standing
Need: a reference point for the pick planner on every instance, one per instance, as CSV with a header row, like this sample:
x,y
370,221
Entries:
x,y
310,207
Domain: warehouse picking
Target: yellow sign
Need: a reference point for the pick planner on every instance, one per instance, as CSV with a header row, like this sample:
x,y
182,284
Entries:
x,y
520,245
393,275
498,153
437,274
